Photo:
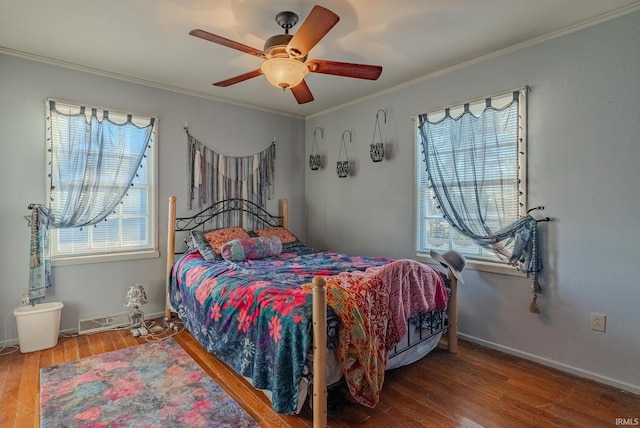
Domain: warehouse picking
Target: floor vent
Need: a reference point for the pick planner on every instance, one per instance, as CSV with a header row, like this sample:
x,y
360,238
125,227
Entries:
x,y
103,322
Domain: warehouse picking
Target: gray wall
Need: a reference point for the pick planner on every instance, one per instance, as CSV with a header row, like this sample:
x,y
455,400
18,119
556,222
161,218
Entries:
x,y
584,152
584,127
99,288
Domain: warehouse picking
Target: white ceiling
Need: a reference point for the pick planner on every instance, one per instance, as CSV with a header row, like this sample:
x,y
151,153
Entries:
x,y
147,41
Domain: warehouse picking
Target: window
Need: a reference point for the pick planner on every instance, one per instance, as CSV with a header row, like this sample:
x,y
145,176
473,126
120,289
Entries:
x,y
501,186
129,231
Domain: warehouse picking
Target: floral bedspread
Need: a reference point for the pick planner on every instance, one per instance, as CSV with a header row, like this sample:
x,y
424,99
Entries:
x,y
255,316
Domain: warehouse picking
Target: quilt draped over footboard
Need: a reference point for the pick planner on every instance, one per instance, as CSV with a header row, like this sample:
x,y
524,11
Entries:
x,y
374,307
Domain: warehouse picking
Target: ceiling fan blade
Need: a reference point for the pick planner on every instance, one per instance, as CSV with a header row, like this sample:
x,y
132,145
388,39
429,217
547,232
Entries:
x,y
302,93
238,79
226,42
346,69
314,28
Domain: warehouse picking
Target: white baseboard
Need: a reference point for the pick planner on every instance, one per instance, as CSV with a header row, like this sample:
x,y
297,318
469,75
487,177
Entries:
x,y
155,315
9,342
73,331
635,389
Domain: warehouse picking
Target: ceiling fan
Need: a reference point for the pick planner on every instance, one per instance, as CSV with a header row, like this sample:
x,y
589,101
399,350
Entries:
x,y
285,55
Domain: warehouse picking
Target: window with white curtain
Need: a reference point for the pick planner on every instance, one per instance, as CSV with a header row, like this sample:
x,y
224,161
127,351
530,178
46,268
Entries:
x,y
129,231
501,186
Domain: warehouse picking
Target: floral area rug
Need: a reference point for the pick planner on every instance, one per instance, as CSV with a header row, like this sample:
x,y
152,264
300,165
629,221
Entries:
x,y
156,384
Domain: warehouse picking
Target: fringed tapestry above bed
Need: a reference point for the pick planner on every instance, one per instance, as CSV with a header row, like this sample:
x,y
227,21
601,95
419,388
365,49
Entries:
x,y
214,177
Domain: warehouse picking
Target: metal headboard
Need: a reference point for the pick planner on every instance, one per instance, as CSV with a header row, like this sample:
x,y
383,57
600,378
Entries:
x,y
219,209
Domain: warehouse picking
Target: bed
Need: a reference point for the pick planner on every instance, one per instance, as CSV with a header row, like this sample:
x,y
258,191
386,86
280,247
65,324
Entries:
x,y
286,316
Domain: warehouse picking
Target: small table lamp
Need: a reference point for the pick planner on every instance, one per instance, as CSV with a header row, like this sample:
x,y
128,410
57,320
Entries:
x,y
136,296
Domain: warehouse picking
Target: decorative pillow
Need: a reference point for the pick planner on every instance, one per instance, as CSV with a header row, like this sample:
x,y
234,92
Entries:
x,y
251,248
286,237
188,242
210,242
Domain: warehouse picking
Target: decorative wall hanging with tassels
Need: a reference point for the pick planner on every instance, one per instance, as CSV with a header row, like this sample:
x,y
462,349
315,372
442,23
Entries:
x,y
214,177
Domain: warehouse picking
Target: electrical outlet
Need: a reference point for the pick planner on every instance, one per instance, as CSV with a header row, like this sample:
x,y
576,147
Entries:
x,y
598,321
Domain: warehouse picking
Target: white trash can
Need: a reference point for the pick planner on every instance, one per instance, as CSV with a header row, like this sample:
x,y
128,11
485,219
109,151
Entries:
x,y
38,326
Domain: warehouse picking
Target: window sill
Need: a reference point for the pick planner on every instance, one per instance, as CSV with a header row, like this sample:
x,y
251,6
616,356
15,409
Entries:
x,y
104,258
478,265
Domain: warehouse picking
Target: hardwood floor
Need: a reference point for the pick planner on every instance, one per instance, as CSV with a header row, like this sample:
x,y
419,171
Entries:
x,y
477,387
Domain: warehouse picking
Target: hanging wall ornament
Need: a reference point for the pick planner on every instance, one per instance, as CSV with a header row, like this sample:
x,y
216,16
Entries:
x,y
314,157
342,166
377,149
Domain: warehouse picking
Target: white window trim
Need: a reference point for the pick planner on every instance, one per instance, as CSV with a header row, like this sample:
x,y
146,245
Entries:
x,y
477,265
154,230
104,258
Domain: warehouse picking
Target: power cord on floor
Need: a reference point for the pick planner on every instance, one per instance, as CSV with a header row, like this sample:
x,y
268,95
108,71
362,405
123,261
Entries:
x,y
171,328
156,331
11,348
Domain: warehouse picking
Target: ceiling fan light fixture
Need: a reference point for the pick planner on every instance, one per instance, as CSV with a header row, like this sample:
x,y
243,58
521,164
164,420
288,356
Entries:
x,y
284,72
285,56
